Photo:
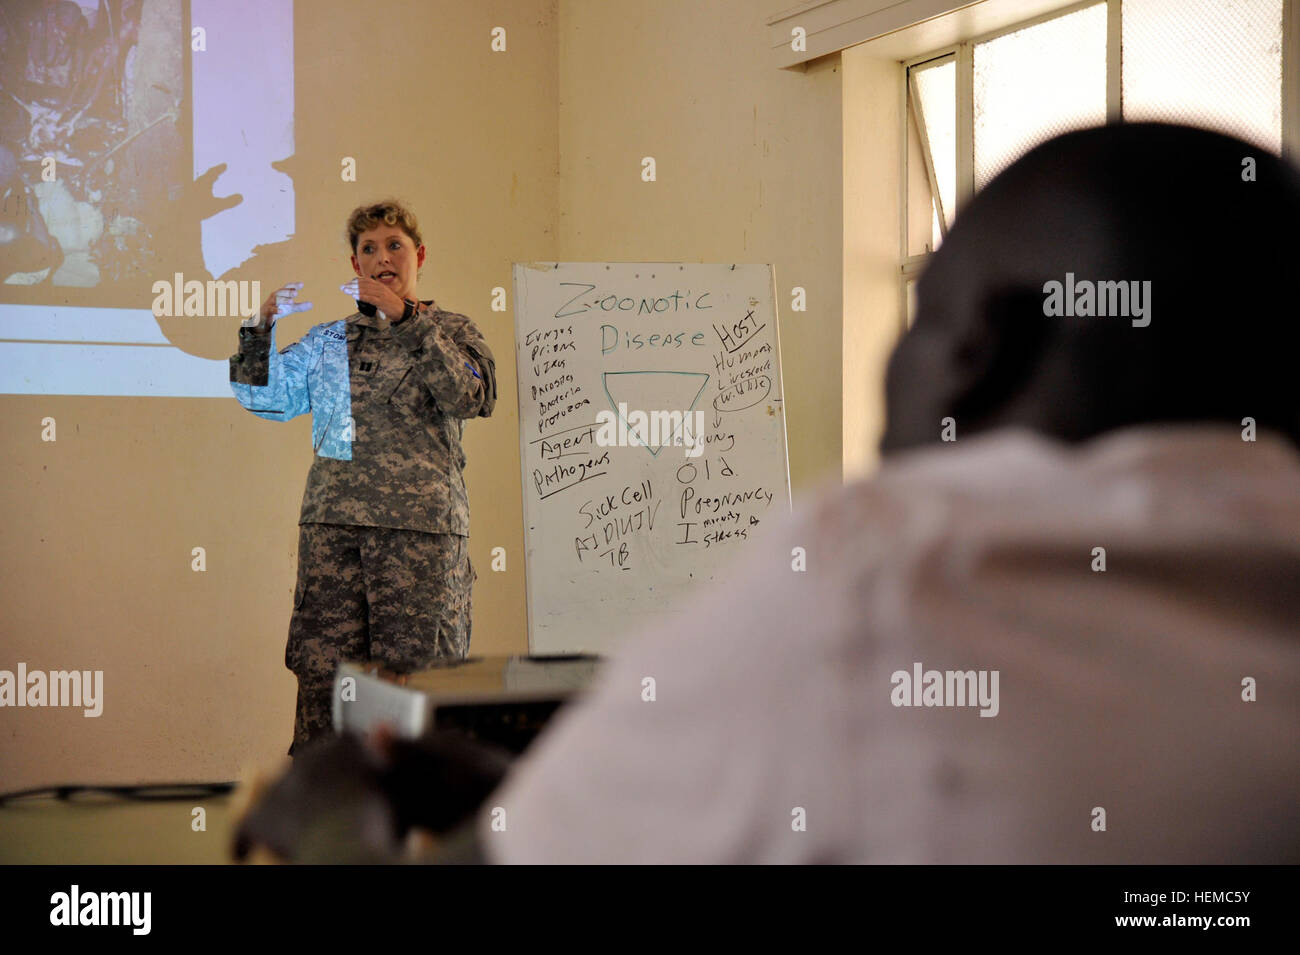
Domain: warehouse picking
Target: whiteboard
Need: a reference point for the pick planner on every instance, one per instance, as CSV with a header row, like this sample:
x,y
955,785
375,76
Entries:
x,y
652,438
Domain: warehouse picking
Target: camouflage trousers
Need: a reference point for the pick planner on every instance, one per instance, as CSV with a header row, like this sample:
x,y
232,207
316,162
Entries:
x,y
398,598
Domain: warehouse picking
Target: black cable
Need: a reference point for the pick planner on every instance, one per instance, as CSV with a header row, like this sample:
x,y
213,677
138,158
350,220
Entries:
x,y
145,792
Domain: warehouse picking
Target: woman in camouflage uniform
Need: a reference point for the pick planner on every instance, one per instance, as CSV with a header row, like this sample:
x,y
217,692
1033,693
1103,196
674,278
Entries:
x,y
383,558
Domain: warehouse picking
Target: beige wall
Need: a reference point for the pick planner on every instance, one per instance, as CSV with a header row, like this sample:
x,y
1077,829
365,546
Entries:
x,y
749,170
873,303
534,154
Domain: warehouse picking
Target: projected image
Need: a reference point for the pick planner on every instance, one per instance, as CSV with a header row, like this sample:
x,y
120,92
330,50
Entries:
x,y
80,102
129,155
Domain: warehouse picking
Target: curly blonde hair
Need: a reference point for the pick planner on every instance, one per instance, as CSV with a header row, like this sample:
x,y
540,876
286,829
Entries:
x,y
388,212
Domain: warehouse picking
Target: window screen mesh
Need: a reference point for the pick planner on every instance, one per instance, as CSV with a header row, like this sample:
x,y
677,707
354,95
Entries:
x,y
1211,63
1037,83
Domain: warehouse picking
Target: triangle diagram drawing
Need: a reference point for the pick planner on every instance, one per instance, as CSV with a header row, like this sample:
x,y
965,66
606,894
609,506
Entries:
x,y
650,391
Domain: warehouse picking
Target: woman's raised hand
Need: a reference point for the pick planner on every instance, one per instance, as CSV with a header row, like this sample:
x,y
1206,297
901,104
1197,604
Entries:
x,y
376,293
279,304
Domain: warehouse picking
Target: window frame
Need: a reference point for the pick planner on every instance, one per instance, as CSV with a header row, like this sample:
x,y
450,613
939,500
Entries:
x,y
963,53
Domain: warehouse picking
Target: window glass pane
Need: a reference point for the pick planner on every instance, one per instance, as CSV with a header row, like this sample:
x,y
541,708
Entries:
x,y
1213,63
1037,83
920,201
937,87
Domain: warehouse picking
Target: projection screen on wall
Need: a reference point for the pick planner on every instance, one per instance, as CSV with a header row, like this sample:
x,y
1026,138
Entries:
x,y
137,139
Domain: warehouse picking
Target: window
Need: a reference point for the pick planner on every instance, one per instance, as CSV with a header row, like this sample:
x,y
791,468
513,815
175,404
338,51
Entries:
x,y
1206,63
975,108
1037,83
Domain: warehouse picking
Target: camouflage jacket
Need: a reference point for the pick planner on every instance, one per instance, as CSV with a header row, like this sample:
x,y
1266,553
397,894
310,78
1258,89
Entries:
x,y
388,408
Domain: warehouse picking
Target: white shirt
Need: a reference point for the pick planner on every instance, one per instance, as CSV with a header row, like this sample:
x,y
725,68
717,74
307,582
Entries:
x,y
1118,690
